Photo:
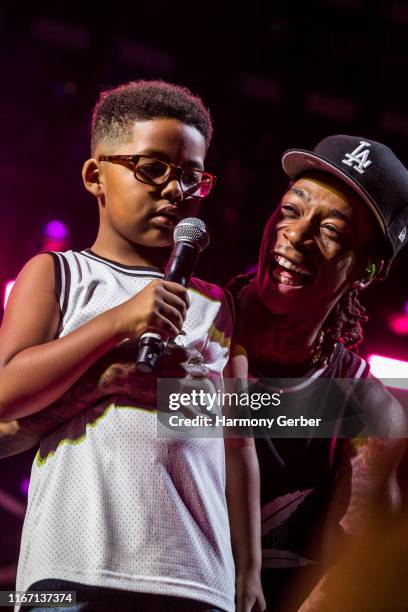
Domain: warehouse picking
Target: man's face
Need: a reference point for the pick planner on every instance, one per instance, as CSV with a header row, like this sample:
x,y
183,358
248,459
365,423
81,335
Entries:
x,y
314,247
145,214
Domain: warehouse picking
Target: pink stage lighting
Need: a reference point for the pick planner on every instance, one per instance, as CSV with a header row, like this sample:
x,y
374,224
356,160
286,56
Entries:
x,y
8,285
24,486
55,236
399,324
386,367
56,229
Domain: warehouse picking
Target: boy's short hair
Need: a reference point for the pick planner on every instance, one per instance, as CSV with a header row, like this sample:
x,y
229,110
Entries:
x,y
117,109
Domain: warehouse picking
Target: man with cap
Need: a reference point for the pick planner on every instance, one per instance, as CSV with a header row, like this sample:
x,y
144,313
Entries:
x,y
340,223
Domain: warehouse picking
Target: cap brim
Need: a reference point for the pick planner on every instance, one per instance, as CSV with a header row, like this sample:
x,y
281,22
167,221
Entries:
x,y
299,161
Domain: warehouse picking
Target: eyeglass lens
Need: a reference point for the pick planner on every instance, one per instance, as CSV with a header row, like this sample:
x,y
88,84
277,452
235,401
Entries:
x,y
193,182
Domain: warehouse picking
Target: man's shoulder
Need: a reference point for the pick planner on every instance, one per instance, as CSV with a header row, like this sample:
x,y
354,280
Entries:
x,y
237,283
386,416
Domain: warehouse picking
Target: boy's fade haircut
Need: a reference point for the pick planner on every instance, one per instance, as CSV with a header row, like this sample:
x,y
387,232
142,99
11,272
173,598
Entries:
x,y
118,108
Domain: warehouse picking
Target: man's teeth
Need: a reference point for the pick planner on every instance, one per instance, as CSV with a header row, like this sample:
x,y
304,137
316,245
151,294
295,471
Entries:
x,y
288,265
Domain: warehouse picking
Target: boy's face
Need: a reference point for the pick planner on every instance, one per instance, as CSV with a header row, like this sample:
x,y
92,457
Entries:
x,y
136,213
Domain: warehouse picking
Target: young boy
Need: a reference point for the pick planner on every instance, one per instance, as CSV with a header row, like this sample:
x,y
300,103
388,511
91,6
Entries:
x,y
124,518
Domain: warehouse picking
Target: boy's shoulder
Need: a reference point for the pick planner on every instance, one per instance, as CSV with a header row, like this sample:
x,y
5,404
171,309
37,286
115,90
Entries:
x,y
217,297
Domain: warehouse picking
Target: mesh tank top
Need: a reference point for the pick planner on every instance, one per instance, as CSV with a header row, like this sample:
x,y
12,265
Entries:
x,y
110,503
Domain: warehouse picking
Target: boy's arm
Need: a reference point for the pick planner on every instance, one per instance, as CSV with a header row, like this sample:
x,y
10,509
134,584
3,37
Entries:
x,y
244,514
243,500
36,369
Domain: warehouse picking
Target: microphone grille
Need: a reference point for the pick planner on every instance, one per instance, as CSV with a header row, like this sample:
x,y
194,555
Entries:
x,y
192,230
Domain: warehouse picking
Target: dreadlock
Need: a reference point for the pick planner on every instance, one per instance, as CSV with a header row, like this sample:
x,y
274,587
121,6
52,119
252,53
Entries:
x,y
344,322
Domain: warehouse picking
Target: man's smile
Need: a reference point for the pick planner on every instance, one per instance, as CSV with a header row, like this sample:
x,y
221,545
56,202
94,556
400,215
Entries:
x,y
287,272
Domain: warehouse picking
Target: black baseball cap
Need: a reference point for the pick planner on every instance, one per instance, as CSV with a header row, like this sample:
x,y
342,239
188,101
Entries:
x,y
371,169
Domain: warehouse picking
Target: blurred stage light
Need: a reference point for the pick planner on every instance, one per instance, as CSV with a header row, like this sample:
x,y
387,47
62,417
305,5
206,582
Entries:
x,y
332,107
8,285
56,229
55,236
61,34
24,486
65,91
399,324
8,573
386,367
260,88
140,55
395,122
11,504
398,11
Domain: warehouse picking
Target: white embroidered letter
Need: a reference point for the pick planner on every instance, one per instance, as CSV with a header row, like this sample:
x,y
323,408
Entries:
x,y
358,159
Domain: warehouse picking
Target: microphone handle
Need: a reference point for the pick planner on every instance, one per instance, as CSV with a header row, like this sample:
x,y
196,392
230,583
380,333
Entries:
x,y
181,263
179,270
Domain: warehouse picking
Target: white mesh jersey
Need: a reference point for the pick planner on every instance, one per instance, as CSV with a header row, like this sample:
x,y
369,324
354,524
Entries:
x,y
110,503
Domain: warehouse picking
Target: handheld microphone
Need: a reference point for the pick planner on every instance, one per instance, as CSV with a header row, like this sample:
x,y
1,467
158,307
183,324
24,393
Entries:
x,y
190,238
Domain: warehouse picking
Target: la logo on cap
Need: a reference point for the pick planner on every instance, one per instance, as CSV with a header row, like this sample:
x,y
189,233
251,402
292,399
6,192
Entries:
x,y
358,159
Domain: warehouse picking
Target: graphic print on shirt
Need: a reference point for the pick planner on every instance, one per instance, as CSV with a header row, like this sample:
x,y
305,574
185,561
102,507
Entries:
x,y
273,516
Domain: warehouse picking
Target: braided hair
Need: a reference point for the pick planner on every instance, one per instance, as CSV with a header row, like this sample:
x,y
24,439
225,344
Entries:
x,y
344,322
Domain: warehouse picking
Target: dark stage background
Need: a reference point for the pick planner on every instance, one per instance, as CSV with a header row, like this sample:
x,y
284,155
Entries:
x,y
275,75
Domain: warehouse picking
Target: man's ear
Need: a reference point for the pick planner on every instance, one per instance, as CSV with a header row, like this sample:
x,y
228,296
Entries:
x,y
91,177
373,269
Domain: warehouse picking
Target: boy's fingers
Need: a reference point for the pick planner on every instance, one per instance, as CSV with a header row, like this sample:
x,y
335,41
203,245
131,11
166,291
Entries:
x,y
163,327
173,315
176,302
178,290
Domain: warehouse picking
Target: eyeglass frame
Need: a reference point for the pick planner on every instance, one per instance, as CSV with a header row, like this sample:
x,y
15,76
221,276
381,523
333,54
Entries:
x,y
133,159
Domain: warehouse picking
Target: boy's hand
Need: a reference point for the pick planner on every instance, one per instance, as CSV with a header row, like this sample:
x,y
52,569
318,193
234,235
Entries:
x,y
249,597
161,307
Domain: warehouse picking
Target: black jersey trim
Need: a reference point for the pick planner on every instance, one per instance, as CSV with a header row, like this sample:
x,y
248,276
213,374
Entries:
x,y
67,276
58,285
57,274
118,266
